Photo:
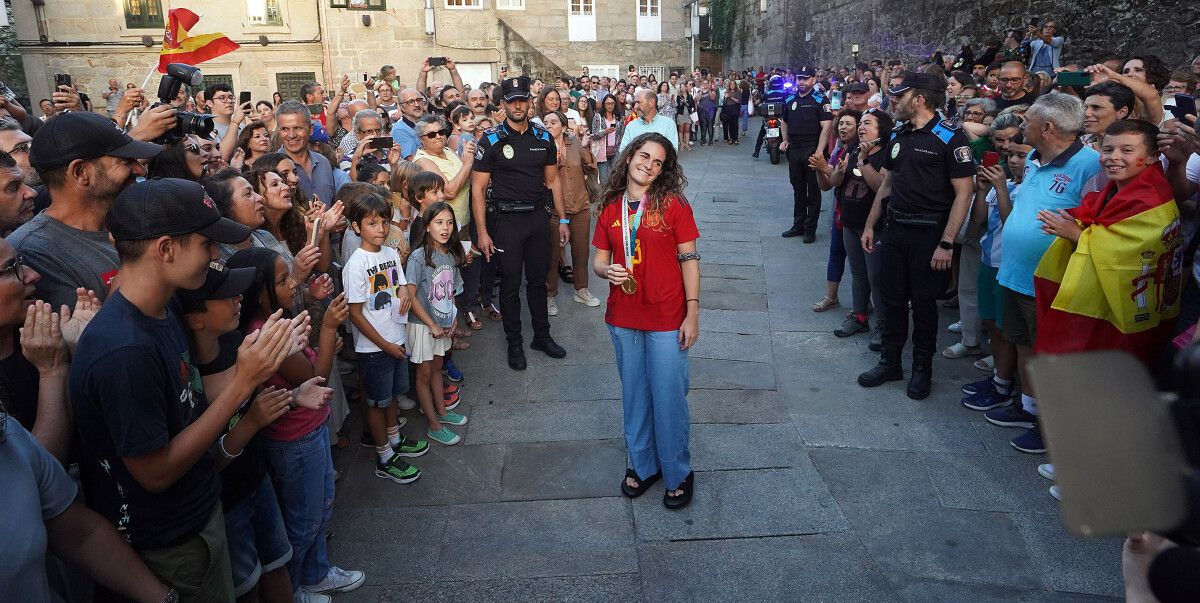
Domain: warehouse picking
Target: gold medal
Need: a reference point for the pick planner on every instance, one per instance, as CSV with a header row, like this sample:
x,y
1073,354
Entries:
x,y
630,285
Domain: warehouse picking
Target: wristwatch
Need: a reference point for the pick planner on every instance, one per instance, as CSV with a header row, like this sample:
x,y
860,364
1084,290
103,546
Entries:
x,y
946,244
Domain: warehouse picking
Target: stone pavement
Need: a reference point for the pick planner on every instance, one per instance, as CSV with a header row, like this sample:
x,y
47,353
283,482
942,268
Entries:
x,y
808,487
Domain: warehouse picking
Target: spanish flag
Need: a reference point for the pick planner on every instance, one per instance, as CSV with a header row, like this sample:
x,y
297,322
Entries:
x,y
1119,288
179,47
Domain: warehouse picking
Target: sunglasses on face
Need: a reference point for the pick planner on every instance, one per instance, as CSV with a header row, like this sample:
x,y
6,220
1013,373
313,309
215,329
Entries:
x,y
437,133
191,148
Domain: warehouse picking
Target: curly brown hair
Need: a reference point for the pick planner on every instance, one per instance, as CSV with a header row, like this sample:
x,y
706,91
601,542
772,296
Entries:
x,y
669,184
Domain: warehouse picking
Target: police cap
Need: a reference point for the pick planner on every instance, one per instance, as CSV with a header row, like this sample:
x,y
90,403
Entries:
x,y
515,88
919,81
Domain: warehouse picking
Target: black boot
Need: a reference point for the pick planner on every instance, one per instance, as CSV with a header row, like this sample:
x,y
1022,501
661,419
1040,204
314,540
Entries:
x,y
881,373
516,356
920,382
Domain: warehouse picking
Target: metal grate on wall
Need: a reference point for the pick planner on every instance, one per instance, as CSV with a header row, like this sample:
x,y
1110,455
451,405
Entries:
x,y
288,84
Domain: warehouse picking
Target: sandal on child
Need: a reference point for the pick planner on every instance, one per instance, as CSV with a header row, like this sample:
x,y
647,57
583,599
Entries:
x,y
473,323
643,484
681,501
959,350
825,304
986,364
460,344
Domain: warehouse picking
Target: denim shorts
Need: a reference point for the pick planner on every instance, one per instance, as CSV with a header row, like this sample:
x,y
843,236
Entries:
x,y
382,377
258,542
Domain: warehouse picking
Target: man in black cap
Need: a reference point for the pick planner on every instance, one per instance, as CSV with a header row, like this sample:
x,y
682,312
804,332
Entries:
x,y
513,190
85,161
928,174
145,426
855,96
806,125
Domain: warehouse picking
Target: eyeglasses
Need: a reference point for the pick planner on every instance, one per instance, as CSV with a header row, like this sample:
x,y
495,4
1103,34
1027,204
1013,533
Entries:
x,y
1010,80
974,113
22,147
192,148
17,267
413,101
434,134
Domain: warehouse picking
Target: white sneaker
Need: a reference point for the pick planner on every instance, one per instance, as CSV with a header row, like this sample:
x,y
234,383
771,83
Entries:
x,y
1046,470
338,580
551,306
303,595
406,403
586,298
955,327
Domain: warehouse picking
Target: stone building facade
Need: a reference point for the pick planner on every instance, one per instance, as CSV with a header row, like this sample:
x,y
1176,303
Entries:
x,y
284,42
790,32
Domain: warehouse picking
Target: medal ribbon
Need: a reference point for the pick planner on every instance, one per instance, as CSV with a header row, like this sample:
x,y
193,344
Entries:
x,y
629,235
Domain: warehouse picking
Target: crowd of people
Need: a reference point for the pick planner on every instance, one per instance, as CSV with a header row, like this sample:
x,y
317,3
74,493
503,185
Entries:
x,y
1048,198
177,296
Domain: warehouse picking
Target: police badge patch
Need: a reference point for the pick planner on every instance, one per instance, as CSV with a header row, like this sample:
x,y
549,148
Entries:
x,y
895,150
508,151
963,154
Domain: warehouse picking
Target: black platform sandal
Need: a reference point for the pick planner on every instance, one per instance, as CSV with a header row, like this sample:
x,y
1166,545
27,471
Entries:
x,y
643,484
681,501
567,274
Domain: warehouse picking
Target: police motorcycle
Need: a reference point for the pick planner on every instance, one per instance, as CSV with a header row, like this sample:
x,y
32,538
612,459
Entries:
x,y
778,90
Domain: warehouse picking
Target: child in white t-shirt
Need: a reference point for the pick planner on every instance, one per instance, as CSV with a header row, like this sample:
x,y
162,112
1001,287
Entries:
x,y
379,300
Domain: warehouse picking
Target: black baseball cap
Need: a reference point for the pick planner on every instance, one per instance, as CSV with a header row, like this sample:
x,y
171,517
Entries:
x,y
222,282
856,87
515,88
83,135
169,207
920,81
806,71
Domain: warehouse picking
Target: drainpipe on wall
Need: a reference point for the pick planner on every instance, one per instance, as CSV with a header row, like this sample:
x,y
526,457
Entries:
x,y
326,61
430,26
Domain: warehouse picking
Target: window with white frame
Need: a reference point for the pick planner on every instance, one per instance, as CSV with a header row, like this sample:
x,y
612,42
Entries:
x,y
649,20
465,3
581,20
264,12
762,5
510,4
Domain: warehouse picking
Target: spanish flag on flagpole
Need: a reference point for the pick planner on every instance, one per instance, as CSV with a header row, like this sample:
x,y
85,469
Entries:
x,y
180,47
1119,287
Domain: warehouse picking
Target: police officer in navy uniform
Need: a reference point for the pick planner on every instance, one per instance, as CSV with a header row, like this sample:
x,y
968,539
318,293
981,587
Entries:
x,y
775,93
514,188
807,122
928,178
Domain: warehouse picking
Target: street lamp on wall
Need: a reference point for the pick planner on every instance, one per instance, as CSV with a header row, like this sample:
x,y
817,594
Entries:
x,y
854,52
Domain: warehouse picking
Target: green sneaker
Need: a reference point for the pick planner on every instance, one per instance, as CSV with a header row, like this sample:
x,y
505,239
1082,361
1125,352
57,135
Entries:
x,y
411,448
444,436
397,470
453,418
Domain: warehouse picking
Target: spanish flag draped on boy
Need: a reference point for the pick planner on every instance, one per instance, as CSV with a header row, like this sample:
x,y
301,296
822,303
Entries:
x,y
180,47
1119,288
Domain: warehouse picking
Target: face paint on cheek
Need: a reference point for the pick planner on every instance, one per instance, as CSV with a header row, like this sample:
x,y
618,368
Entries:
x,y
1141,162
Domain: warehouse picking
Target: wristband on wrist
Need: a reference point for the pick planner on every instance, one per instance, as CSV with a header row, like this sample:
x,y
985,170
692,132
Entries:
x,y
225,453
693,299
563,221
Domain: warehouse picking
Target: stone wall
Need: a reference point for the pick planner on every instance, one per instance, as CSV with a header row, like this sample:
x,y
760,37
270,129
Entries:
x,y
88,39
791,32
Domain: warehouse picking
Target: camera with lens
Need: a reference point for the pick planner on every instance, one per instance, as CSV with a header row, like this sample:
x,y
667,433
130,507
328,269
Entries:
x,y
186,122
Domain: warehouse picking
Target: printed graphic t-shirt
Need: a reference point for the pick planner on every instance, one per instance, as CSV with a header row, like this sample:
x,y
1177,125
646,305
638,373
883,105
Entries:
x,y
436,285
373,279
134,387
658,304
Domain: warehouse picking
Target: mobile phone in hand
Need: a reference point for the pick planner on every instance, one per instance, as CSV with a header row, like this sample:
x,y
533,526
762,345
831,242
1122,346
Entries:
x,y
991,159
380,143
243,97
1185,104
316,233
62,79
1073,78
437,61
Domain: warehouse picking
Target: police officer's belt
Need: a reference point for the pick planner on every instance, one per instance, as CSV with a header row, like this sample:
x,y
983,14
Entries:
x,y
910,219
512,207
